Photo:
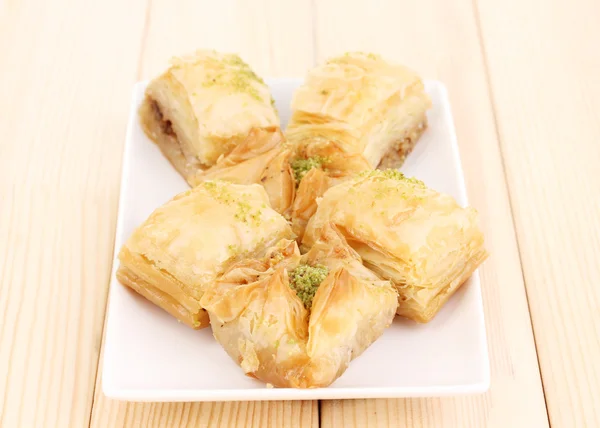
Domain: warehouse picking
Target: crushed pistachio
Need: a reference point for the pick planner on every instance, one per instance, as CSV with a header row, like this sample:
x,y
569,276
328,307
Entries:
x,y
369,55
393,174
246,215
305,280
415,181
210,185
240,78
219,190
302,166
233,250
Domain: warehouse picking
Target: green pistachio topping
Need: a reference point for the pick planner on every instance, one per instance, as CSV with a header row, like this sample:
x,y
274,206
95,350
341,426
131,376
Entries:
x,y
233,250
302,166
245,214
219,190
305,280
342,58
393,174
241,79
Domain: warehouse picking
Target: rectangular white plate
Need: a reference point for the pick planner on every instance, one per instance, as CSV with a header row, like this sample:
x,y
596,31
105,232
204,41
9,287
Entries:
x,y
149,356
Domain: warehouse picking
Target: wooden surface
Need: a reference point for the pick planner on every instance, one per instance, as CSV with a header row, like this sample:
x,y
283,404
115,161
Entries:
x,y
523,78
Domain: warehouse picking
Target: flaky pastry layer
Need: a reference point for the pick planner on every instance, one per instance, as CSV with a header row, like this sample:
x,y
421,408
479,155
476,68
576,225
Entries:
x,y
420,239
187,243
202,107
371,103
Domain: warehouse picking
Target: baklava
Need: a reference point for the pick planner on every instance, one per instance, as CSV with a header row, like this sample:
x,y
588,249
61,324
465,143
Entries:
x,y
188,242
263,158
419,239
378,109
202,107
298,321
318,163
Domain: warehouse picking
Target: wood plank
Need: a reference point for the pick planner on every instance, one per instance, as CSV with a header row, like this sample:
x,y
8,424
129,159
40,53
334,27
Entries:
x,y
268,414
274,37
65,80
440,40
544,67
274,44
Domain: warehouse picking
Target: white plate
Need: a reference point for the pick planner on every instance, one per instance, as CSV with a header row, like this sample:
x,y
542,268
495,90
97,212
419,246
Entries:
x,y
149,356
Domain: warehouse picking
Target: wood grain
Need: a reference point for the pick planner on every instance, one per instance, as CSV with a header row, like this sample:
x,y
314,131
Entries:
x,y
272,37
65,85
546,90
440,40
268,414
523,82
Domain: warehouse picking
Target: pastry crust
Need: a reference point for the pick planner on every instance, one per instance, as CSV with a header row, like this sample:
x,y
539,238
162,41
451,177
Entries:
x,y
335,165
263,158
372,104
188,242
421,240
192,315
264,326
202,107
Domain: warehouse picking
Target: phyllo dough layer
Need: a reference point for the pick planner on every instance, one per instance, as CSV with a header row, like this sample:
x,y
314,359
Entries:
x,y
420,239
187,243
376,108
263,158
203,106
294,172
319,162
297,321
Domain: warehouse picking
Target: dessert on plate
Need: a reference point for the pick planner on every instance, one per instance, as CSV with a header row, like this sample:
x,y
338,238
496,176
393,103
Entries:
x,y
202,107
295,320
420,239
374,243
185,245
366,105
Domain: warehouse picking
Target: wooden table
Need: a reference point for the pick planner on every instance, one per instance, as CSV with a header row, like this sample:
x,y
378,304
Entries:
x,y
524,82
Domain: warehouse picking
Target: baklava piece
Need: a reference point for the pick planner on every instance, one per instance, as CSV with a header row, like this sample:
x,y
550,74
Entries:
x,y
377,108
419,239
188,242
298,321
202,107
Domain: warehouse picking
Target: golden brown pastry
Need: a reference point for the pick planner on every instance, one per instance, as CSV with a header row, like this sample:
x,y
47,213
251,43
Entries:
x,y
263,158
298,321
294,173
367,105
421,240
188,242
202,107
318,163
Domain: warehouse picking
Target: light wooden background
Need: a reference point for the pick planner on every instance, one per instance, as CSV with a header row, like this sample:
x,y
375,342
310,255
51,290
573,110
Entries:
x,y
524,82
